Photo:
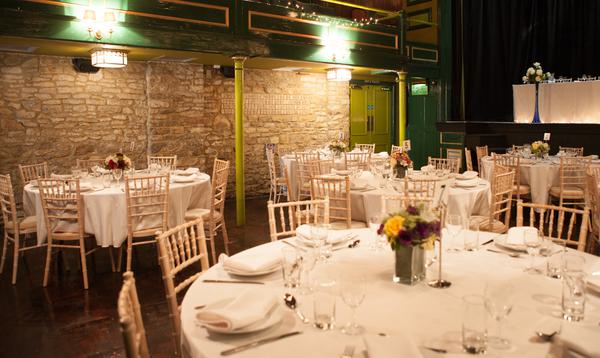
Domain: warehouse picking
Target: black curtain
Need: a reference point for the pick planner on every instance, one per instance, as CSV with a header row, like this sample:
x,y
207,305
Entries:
x,y
502,38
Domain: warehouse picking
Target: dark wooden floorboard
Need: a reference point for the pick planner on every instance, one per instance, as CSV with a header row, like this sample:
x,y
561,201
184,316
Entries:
x,y
64,320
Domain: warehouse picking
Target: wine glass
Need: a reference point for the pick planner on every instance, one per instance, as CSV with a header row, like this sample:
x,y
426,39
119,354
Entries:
x,y
533,242
353,289
499,300
318,234
117,174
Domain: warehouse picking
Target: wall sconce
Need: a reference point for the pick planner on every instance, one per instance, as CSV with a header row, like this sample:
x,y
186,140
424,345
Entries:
x,y
108,58
339,74
100,21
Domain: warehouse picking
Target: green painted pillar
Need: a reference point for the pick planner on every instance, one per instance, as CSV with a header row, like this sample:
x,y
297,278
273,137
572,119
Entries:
x,y
401,106
240,191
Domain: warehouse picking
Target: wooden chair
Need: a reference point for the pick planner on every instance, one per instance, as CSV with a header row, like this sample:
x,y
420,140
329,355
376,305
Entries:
x,y
305,157
214,217
33,171
337,189
180,249
63,212
593,202
396,202
456,154
284,218
498,220
369,148
444,164
130,319
169,161
574,151
468,159
14,226
278,185
357,160
480,152
147,199
421,188
89,163
513,162
551,222
571,190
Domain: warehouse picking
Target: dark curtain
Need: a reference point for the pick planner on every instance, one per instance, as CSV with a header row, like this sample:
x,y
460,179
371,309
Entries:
x,y
502,38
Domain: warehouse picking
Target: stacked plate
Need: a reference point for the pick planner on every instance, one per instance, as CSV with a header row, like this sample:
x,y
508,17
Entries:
x,y
467,179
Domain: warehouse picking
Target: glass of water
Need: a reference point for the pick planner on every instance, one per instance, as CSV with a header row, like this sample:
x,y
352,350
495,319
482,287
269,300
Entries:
x,y
533,242
474,329
573,296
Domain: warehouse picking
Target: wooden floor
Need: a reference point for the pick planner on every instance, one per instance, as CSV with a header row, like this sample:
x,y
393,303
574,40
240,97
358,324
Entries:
x,y
64,320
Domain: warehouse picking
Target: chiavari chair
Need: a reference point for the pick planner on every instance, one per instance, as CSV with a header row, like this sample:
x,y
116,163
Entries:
x,y
574,151
278,185
468,159
357,160
498,220
284,218
370,148
513,162
33,171
165,161
571,189
130,319
337,189
444,164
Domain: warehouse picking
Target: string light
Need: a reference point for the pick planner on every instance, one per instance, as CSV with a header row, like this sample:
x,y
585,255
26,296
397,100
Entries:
x,y
297,6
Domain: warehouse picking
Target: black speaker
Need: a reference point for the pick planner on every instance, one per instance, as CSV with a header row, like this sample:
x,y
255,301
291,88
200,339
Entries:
x,y
84,65
228,71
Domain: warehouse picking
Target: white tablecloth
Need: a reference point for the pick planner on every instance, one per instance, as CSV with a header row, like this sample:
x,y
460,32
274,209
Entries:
x,y
417,315
106,209
567,102
289,162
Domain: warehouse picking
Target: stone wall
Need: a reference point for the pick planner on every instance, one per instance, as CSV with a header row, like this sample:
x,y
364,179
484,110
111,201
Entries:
x,y
49,112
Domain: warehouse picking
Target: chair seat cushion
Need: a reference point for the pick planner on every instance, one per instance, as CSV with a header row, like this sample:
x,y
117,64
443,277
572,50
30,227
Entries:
x,y
26,224
522,189
568,192
482,223
193,214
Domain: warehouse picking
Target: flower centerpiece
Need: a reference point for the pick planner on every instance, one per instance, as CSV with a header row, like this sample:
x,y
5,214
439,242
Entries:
x,y
410,232
535,75
117,161
539,148
337,147
400,161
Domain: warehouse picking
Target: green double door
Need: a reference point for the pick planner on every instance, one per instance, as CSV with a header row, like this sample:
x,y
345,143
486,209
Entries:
x,y
421,119
371,114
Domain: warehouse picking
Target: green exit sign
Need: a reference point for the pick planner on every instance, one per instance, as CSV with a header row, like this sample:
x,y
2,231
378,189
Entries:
x,y
419,89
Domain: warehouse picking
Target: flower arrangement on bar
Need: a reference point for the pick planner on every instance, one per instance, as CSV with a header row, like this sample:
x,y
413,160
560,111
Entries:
x,y
117,161
539,148
400,161
535,74
337,146
410,232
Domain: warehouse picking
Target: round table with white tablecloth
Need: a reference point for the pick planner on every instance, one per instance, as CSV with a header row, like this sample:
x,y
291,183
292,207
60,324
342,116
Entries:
x,y
399,320
105,208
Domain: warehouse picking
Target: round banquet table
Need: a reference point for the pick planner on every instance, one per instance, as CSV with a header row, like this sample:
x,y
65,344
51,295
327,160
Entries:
x,y
106,209
410,316
540,175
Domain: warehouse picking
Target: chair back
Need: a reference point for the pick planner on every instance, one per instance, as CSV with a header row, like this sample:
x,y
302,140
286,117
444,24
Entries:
x,y
62,205
572,177
557,223
337,189
453,165
304,173
284,218
179,248
468,159
574,151
220,176
33,171
305,157
272,167
501,204
480,152
593,201
452,153
396,202
421,188
169,161
512,162
130,319
357,160
370,148
9,207
147,199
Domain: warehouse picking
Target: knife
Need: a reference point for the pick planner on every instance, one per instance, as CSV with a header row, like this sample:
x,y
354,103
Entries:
x,y
234,281
257,343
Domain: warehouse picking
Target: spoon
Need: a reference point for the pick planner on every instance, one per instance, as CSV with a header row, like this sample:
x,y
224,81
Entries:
x,y
546,336
290,301
354,244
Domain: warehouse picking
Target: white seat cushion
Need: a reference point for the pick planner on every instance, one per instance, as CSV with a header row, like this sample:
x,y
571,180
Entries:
x,y
193,214
481,223
28,223
522,190
568,192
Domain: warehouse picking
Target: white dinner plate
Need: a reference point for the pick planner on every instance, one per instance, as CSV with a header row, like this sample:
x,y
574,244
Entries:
x,y
342,172
183,179
501,241
275,316
254,273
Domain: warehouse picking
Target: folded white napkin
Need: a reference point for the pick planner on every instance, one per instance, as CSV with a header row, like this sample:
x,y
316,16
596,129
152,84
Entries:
x,y
467,183
516,235
333,237
358,183
580,338
593,279
427,168
469,174
250,263
247,308
188,171
381,155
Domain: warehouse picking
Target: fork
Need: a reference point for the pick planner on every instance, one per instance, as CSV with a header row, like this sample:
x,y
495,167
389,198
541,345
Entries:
x,y
348,352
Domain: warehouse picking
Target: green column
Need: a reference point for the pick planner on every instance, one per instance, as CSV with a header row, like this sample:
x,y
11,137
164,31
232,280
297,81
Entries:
x,y
401,106
240,191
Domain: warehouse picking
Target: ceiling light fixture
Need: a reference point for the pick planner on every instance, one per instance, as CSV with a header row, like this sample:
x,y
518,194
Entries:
x,y
108,58
339,74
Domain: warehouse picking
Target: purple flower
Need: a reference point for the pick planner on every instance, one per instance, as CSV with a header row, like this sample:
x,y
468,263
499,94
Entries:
x,y
412,210
423,229
404,238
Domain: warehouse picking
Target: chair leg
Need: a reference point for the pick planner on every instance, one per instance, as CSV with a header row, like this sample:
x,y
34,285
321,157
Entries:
x,y
225,237
15,265
129,249
112,259
48,259
211,236
83,262
4,247
119,258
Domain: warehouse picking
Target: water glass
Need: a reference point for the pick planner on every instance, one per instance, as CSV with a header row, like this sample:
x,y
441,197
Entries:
x,y
324,298
471,239
291,267
533,242
106,178
117,174
573,296
554,265
499,300
309,259
573,263
474,329
318,234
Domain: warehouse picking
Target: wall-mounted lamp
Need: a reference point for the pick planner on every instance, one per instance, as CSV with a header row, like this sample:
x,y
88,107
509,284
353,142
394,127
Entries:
x,y
339,74
99,21
108,58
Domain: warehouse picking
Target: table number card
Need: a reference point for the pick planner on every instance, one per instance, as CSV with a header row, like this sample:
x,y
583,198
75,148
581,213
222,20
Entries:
x,y
406,145
546,136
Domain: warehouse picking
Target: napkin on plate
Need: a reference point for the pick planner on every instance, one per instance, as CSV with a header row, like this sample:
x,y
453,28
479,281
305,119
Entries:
x,y
61,176
247,264
244,309
333,237
427,168
579,338
468,183
469,174
516,235
593,280
188,171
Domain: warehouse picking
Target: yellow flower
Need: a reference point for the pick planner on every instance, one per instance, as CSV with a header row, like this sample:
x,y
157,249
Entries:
x,y
429,243
535,146
393,226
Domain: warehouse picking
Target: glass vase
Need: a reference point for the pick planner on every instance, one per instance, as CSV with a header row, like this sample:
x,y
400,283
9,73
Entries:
x,y
409,265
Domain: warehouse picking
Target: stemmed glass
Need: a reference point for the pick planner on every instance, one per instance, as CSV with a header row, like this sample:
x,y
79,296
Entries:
x,y
533,242
499,299
117,174
353,288
318,233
